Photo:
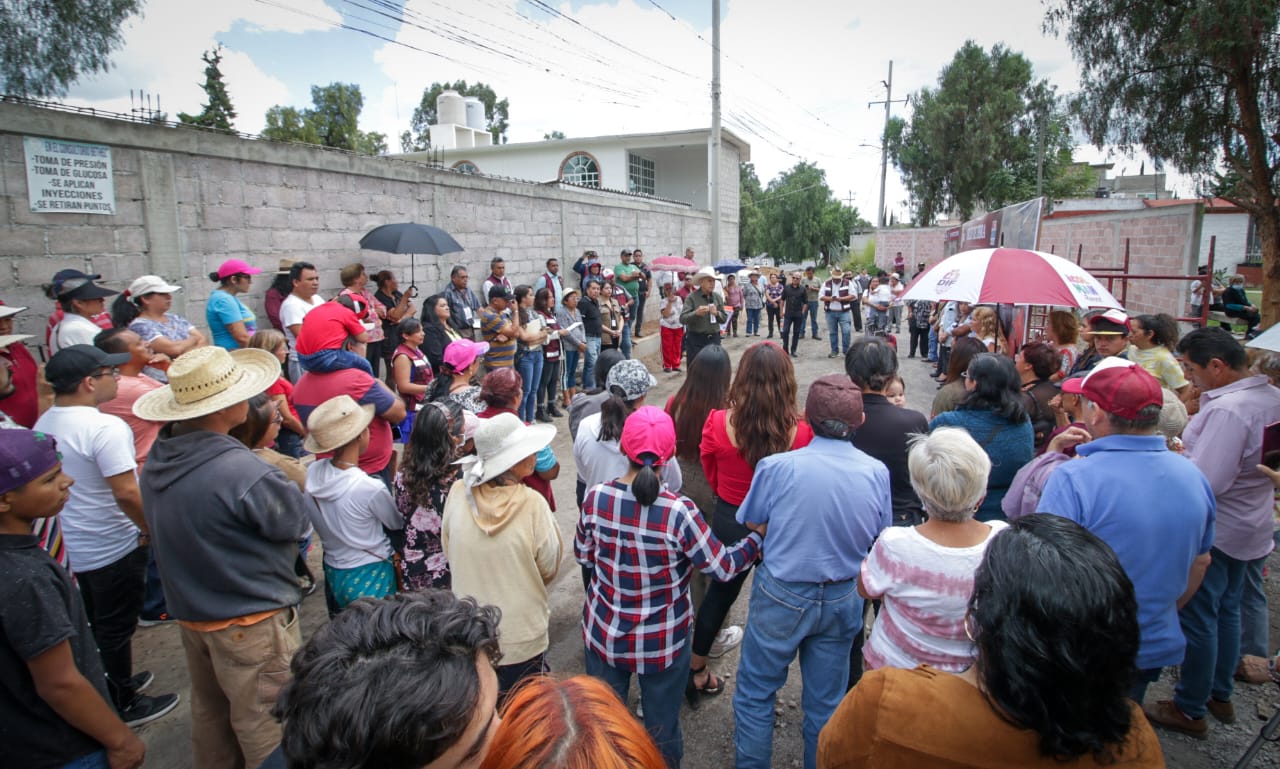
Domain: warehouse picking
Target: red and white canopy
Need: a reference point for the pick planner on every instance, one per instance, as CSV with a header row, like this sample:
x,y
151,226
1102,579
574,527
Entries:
x,y
1010,276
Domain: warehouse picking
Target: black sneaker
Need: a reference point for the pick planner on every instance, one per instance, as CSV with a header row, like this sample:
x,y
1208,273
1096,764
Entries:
x,y
162,619
141,681
146,709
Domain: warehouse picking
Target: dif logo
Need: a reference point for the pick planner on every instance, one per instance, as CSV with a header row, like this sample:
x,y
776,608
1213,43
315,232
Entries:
x,y
948,280
1082,287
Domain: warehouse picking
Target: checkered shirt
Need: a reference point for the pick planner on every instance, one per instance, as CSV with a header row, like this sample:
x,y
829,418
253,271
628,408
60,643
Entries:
x,y
637,614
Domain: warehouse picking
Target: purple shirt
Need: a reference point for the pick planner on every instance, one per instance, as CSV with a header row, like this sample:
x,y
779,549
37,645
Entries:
x,y
1224,440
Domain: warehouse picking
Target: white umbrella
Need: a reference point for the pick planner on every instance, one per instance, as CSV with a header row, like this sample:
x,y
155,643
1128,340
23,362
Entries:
x,y
1267,340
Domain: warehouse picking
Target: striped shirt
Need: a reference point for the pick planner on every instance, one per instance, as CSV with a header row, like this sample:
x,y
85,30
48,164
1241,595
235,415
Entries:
x,y
500,354
926,588
637,613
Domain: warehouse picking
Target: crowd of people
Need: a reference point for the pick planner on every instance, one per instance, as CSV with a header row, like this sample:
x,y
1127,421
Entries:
x,y
179,478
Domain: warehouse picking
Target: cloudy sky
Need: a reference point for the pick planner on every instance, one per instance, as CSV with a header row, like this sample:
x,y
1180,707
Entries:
x,y
797,77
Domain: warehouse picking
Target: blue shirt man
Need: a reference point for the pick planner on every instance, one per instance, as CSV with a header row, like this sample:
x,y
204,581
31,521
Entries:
x,y
823,506
1152,506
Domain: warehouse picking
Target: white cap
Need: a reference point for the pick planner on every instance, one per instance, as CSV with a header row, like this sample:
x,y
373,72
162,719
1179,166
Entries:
x,y
150,284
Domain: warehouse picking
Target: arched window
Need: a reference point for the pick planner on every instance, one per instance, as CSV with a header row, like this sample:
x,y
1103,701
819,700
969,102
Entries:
x,y
580,168
466,167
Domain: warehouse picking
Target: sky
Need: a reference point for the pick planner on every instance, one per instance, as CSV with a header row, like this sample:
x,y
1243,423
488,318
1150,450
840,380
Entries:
x,y
797,77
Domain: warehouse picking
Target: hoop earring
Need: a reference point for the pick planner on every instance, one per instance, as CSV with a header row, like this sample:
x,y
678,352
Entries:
x,y
968,630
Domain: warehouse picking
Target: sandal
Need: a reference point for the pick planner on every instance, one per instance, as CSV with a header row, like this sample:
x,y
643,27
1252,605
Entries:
x,y
693,693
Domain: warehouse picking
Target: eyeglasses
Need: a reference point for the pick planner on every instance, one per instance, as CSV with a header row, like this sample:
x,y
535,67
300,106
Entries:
x,y
113,372
278,418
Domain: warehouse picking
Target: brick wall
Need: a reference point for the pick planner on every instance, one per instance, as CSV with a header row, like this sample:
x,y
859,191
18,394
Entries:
x,y
187,200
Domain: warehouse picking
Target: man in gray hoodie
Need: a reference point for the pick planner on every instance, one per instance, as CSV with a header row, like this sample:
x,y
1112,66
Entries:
x,y
226,527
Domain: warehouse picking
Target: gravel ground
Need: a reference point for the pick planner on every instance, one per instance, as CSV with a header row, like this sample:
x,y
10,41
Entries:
x,y
708,731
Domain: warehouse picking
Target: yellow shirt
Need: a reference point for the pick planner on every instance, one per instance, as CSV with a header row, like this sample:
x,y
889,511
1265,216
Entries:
x,y
1161,364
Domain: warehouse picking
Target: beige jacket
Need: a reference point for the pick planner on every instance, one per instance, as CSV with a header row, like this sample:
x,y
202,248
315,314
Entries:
x,y
503,550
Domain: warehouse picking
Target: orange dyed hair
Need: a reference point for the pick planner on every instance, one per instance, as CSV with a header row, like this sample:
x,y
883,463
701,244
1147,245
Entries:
x,y
578,723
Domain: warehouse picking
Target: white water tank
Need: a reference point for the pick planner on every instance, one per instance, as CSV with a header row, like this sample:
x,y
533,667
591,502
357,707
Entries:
x,y
475,113
451,109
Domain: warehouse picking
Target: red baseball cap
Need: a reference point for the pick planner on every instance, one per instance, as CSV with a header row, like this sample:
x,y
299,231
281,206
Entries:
x,y
1119,387
649,430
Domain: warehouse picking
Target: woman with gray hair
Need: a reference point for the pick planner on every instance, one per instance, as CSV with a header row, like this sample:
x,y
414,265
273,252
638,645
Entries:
x,y
924,574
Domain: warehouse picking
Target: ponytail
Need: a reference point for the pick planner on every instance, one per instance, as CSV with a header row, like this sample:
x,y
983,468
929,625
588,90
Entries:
x,y
614,413
214,277
440,385
124,310
647,486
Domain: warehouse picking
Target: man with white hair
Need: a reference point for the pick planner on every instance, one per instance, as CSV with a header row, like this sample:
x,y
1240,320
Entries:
x,y
703,314
1162,543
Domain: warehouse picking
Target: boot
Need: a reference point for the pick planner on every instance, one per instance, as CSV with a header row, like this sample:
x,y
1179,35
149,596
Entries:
x,y
553,411
541,415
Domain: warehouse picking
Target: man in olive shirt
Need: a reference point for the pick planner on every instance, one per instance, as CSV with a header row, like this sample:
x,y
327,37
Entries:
x,y
627,276
812,289
702,315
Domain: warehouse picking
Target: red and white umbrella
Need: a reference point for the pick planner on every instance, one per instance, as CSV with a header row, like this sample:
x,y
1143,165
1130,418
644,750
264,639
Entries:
x,y
675,263
1010,276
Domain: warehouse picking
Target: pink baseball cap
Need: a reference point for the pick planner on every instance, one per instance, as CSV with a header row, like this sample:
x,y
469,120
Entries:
x,y
649,430
236,267
461,353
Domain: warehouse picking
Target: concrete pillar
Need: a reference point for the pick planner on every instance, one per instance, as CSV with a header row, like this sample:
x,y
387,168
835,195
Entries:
x,y
160,222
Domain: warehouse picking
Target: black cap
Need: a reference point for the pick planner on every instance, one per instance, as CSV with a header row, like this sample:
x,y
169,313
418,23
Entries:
x,y
499,291
78,361
74,284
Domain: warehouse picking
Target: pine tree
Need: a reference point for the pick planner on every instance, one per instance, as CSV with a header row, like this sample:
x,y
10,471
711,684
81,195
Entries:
x,y
218,112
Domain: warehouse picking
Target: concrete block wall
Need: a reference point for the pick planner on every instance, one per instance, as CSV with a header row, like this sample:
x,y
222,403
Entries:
x,y
187,200
1162,241
919,244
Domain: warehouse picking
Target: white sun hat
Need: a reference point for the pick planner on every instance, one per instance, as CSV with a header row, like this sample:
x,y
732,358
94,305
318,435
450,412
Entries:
x,y
501,442
335,423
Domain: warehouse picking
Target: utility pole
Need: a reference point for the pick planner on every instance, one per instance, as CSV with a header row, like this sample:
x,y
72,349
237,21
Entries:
x,y
884,147
713,172
1040,156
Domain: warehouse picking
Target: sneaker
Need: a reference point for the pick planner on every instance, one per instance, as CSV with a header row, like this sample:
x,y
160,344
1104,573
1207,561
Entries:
x,y
162,618
1225,712
833,355
1165,715
145,709
141,681
727,639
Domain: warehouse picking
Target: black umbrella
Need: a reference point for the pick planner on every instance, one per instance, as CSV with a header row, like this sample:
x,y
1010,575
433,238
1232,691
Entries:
x,y
410,238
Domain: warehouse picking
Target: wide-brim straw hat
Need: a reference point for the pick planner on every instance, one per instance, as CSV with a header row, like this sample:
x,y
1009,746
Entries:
x,y
335,423
501,442
208,379
705,272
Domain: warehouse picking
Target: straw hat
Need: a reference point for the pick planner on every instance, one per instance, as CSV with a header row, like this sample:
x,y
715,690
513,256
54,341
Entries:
x,y
705,272
501,442
206,380
335,423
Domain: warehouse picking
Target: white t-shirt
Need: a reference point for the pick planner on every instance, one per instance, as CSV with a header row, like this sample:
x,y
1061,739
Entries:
x,y
292,310
677,306
926,589
600,461
72,329
94,447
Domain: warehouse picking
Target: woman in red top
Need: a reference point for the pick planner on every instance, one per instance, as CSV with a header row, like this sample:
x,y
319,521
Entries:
x,y
411,370
764,387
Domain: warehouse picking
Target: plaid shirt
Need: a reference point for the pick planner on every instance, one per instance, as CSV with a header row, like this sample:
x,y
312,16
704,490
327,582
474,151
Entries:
x,y
637,614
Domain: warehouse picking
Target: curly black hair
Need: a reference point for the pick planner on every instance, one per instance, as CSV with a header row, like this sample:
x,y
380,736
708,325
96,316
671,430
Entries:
x,y
1055,622
431,449
387,684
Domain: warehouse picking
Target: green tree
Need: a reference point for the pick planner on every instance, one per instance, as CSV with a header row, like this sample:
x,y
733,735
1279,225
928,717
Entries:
x,y
802,216
553,136
1193,82
46,45
980,136
332,121
218,112
418,137
751,240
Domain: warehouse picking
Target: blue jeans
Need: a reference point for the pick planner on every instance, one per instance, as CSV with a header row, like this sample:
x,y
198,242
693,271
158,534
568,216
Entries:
x,y
1254,617
289,443
569,373
92,761
933,343
811,309
322,361
1211,623
529,364
839,326
660,695
753,321
589,363
819,621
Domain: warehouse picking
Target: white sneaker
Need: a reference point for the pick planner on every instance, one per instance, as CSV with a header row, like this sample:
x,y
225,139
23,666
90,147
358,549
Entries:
x,y
727,639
